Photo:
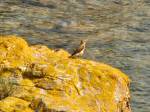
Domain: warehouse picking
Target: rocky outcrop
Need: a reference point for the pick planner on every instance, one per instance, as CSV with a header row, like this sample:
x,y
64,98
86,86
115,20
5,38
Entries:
x,y
39,79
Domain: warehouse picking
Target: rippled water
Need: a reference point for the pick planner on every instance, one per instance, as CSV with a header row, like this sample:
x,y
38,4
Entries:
x,y
118,33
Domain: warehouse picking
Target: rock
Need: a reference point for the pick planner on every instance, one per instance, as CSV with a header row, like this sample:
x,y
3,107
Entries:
x,y
49,81
12,104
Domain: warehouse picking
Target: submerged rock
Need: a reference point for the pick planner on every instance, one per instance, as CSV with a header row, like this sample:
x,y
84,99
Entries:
x,y
46,80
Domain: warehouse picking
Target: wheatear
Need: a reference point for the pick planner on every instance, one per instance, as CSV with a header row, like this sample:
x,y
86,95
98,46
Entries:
x,y
80,50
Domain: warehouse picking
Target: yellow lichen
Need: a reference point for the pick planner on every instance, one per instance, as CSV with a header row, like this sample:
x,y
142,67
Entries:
x,y
72,85
14,51
12,104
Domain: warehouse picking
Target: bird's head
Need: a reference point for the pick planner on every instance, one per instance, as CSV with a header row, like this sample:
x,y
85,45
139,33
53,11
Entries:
x,y
84,41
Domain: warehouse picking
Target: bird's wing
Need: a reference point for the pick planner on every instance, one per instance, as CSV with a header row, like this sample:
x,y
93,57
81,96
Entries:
x,y
78,50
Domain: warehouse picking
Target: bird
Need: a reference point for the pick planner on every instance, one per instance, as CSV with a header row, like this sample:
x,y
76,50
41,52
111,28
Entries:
x,y
80,50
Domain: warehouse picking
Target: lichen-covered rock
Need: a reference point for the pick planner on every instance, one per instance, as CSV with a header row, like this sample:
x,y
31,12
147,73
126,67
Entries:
x,y
47,80
13,104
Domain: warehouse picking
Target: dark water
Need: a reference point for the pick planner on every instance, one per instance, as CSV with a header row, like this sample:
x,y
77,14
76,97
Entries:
x,y
118,33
